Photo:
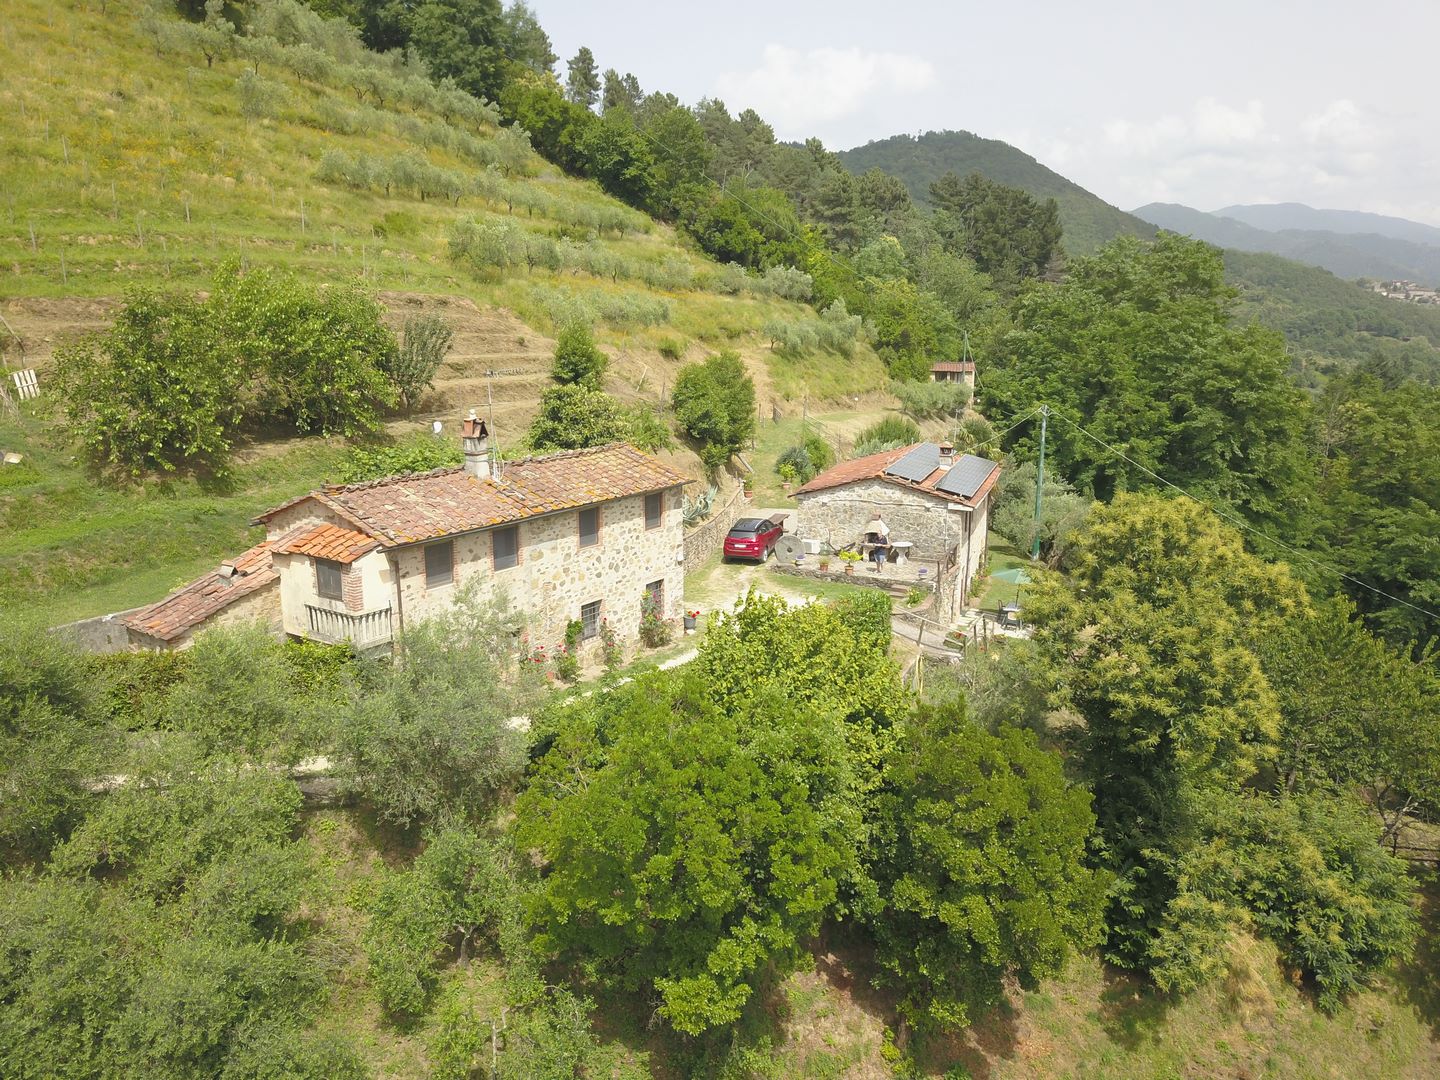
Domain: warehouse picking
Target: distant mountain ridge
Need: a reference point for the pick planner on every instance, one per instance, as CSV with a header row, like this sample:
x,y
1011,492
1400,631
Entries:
x,y
1088,220
1344,254
1344,251
1278,217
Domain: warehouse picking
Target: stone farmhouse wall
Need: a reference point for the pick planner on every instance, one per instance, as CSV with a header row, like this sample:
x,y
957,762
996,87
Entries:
x,y
837,517
707,538
552,580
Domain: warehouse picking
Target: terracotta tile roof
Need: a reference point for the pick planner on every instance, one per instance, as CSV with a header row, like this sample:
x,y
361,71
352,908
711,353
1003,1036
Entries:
x,y
327,542
873,466
188,607
408,509
960,366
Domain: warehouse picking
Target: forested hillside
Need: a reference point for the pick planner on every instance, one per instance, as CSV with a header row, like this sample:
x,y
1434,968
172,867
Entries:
x,y
1329,322
1088,220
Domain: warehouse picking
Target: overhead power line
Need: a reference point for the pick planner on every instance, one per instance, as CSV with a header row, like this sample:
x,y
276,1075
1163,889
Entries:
x,y
1241,523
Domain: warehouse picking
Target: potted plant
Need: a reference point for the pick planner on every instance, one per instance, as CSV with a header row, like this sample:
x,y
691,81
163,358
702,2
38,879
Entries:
x,y
824,564
849,558
690,617
788,475
747,486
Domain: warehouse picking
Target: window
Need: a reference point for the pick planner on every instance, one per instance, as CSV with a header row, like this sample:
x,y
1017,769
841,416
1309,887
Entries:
x,y
589,620
590,527
439,564
654,510
329,579
655,598
505,547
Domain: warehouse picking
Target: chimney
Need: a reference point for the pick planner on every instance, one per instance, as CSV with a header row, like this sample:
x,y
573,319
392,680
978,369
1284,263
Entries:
x,y
947,455
475,442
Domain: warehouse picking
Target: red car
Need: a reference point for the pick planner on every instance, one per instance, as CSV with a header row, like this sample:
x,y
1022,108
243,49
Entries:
x,y
753,538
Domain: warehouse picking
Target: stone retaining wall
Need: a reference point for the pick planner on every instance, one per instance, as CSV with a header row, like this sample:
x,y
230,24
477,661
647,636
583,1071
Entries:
x,y
707,538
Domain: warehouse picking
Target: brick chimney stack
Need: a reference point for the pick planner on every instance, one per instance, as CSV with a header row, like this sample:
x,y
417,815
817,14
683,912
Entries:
x,y
475,442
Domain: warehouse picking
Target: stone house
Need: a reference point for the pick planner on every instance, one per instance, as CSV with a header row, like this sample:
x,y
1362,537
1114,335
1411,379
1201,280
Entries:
x,y
580,535
935,503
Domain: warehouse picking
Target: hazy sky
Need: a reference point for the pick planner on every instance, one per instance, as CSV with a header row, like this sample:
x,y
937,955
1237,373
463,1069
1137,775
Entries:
x,y
1325,102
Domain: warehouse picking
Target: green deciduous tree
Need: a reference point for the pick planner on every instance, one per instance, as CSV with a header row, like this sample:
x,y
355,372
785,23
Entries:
x,y
314,357
980,858
153,391
912,328
53,735
1150,637
411,368
573,416
1306,871
577,360
715,405
237,698
687,848
1378,454
1354,714
1139,347
161,939
453,897
1062,511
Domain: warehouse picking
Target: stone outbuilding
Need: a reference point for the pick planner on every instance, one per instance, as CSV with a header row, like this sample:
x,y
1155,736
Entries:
x,y
934,503
957,371
244,589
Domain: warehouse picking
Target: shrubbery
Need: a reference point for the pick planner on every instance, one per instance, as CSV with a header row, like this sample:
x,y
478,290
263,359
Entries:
x,y
812,456
927,400
175,380
715,405
887,433
420,453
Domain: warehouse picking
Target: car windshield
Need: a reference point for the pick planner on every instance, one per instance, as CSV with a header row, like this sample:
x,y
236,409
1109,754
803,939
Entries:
x,y
748,525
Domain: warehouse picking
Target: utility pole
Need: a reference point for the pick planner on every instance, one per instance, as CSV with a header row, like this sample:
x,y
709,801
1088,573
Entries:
x,y
1040,479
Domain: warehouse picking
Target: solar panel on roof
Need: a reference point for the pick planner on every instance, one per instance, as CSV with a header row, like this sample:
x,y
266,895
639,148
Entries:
x,y
917,464
966,476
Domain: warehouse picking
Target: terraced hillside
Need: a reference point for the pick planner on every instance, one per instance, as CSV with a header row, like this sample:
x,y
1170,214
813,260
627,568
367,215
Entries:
x,y
137,152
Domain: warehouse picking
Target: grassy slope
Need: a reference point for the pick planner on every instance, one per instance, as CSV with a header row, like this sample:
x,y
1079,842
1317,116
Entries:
x,y
1088,220
107,143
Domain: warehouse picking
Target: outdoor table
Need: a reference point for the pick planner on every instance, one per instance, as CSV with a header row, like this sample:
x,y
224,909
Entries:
x,y
902,551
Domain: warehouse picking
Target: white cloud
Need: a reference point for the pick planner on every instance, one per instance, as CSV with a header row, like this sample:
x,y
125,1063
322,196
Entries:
x,y
1340,123
796,90
1213,153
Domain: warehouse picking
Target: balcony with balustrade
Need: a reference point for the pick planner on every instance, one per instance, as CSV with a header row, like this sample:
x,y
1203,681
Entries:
x,y
361,629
